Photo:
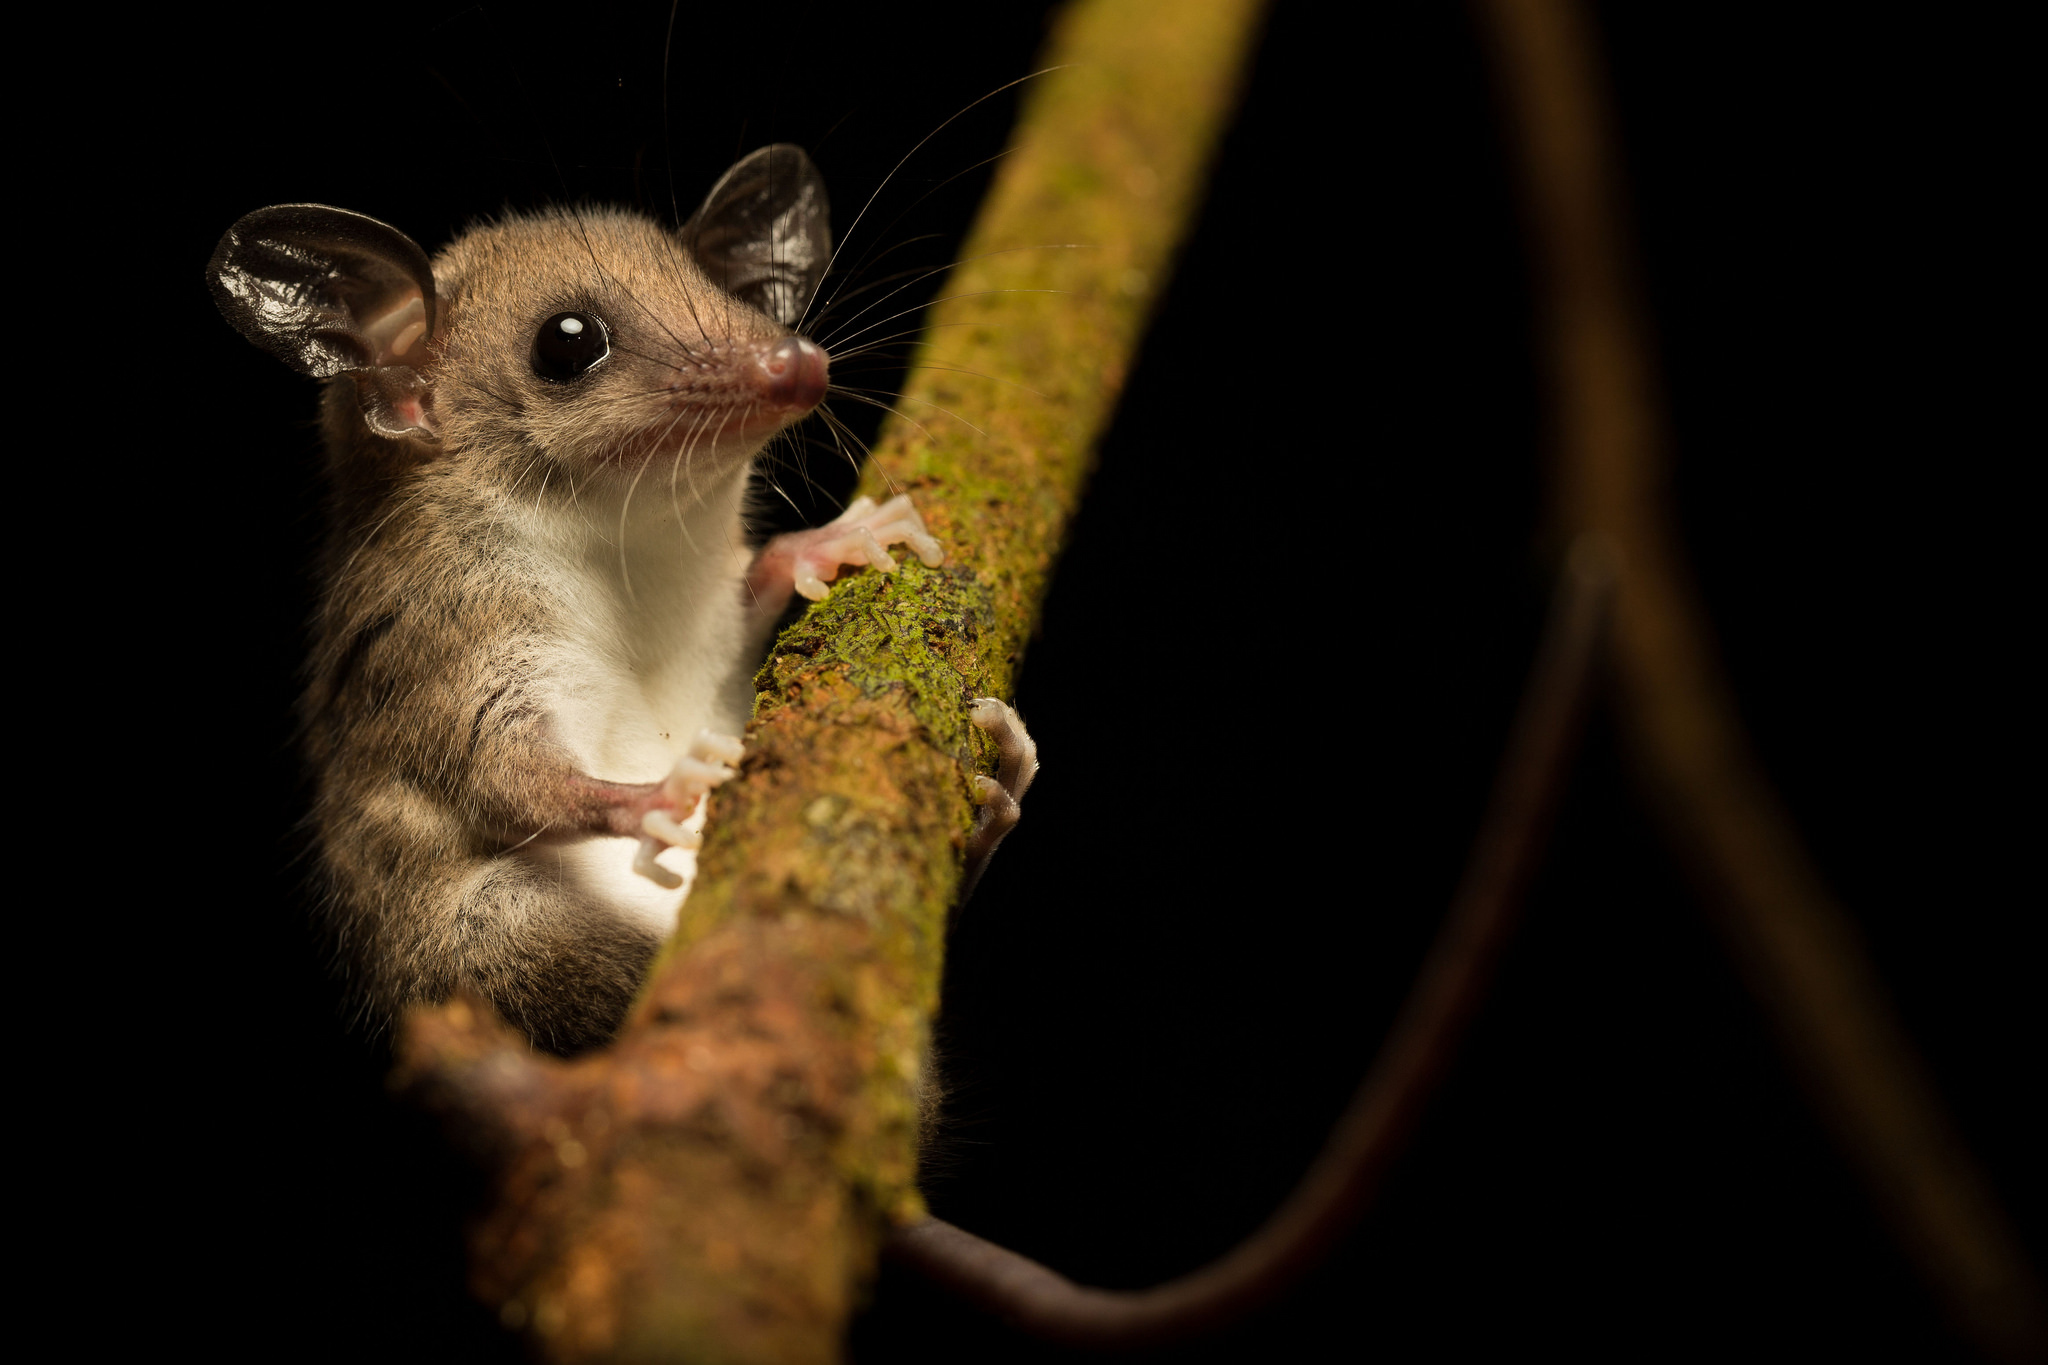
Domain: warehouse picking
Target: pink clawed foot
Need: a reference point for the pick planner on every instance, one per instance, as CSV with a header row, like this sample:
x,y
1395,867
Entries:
x,y
998,796
707,764
859,535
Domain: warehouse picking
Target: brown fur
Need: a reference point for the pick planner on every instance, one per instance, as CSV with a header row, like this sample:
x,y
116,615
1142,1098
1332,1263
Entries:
x,y
424,723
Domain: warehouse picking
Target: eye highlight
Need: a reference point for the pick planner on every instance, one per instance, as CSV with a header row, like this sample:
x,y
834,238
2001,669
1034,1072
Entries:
x,y
567,345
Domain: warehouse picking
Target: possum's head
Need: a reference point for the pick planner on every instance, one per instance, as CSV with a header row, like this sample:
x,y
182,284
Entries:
x,y
595,339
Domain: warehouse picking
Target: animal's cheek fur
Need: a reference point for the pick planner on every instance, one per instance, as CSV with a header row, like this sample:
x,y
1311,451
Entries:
x,y
472,419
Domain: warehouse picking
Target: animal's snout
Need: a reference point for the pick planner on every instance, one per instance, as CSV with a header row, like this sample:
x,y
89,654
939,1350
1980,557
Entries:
x,y
795,370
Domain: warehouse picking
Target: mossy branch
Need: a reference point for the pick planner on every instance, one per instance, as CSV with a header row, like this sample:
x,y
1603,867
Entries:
x,y
714,1186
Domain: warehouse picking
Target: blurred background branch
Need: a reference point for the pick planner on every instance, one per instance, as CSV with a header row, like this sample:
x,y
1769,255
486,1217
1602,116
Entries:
x,y
1798,949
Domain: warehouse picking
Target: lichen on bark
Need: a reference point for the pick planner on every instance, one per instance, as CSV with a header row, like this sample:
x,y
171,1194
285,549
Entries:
x,y
713,1186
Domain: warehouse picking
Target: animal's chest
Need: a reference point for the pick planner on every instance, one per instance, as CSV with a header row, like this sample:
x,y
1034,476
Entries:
x,y
640,650
644,650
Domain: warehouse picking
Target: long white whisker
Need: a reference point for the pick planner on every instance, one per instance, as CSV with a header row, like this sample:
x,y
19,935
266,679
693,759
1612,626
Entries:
x,y
625,504
954,369
875,402
839,430
855,225
867,348
935,270
675,465
947,298
864,261
668,46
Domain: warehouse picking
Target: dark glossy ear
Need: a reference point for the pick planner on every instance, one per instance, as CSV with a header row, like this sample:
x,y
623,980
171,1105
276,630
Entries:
x,y
764,233
324,290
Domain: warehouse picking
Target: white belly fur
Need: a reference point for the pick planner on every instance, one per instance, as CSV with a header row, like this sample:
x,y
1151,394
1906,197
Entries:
x,y
649,655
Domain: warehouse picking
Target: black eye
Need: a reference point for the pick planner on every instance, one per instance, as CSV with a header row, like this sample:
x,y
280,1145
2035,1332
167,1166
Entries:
x,y
567,345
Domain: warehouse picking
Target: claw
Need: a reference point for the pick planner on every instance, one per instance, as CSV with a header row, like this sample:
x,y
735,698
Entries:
x,y
706,765
1019,751
855,510
692,777
997,796
659,824
709,744
872,547
644,864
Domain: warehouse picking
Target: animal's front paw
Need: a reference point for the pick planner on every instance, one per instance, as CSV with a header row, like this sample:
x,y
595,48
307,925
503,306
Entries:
x,y
859,535
675,817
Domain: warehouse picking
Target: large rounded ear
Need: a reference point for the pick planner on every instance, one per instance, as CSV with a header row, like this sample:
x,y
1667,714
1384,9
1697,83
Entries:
x,y
330,292
324,290
764,233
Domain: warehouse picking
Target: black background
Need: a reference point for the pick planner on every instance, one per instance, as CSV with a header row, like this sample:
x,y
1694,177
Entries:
x,y
1274,674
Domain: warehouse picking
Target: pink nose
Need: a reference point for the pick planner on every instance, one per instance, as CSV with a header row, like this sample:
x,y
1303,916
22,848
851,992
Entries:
x,y
795,371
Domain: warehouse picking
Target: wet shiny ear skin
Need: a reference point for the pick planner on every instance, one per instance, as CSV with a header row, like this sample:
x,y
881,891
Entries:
x,y
764,233
329,292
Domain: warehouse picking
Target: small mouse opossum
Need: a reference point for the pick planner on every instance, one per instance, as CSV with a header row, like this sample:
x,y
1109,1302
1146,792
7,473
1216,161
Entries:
x,y
540,613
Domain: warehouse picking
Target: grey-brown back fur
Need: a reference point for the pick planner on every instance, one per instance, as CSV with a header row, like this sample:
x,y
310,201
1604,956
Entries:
x,y
439,634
